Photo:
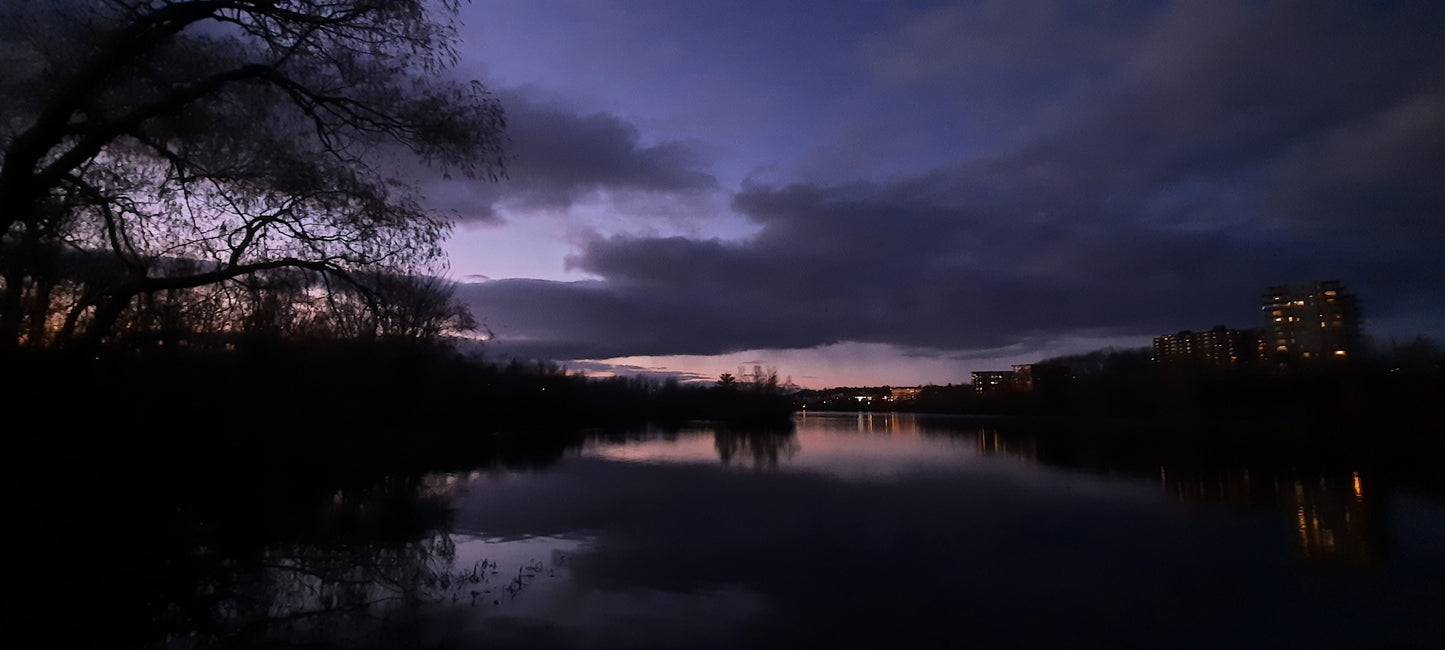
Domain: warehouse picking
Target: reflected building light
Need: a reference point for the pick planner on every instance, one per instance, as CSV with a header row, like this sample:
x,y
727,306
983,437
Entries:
x,y
991,443
1304,535
1333,520
1335,523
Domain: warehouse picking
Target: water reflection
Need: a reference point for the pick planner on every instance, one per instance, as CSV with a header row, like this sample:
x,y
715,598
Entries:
x,y
992,443
233,555
881,423
334,571
760,449
1335,515
879,529
855,530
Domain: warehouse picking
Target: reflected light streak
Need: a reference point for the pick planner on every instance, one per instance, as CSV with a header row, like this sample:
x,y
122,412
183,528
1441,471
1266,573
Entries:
x,y
694,448
863,445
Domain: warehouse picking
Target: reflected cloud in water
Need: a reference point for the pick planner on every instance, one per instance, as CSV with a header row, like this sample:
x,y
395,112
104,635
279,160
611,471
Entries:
x,y
862,525
1328,508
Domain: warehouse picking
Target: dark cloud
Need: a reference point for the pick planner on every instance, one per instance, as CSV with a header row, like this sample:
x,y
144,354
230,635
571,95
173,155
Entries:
x,y
653,374
1230,147
598,320
557,157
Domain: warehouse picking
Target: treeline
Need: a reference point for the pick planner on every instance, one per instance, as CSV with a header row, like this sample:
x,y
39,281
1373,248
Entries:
x,y
85,300
1399,385
1402,385
337,397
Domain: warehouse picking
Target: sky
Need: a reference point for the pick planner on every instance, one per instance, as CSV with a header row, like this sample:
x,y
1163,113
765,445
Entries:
x,y
866,192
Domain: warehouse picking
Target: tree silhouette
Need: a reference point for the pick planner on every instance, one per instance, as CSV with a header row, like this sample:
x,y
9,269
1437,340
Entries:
x,y
154,146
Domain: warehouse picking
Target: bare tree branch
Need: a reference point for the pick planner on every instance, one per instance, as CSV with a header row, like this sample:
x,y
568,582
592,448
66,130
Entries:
x,y
202,142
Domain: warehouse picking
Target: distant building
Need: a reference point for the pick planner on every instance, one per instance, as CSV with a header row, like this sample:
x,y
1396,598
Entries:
x,y
1023,377
1219,346
986,382
904,394
1310,322
1172,348
1020,379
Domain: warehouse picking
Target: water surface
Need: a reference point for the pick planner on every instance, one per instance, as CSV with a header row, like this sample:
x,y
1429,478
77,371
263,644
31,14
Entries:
x,y
866,529
850,530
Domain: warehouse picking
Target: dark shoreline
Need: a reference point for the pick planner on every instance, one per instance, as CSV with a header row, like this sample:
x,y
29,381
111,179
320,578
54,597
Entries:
x,y
386,407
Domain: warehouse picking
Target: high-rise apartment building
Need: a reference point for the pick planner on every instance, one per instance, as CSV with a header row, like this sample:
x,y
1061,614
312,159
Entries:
x,y
1314,321
1220,346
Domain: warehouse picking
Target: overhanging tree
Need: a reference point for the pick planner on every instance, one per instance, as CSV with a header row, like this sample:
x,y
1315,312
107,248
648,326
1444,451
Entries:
x,y
178,144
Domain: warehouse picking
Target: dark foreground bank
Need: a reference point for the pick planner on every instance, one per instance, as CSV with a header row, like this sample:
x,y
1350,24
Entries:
x,y
343,391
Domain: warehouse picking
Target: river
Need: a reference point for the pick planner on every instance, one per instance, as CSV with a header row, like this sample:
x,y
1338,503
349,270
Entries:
x,y
851,530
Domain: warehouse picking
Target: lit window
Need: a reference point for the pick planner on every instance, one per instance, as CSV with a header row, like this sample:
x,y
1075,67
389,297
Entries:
x,y
1339,353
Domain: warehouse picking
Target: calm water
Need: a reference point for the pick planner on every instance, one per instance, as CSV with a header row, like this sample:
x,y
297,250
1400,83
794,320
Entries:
x,y
851,531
